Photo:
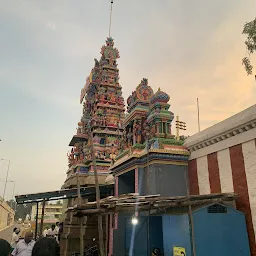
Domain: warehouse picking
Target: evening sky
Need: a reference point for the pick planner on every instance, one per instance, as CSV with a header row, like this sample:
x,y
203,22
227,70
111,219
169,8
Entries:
x,y
187,48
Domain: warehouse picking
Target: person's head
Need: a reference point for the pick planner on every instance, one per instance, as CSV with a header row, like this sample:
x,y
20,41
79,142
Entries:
x,y
5,247
57,224
28,237
14,230
53,227
17,231
46,247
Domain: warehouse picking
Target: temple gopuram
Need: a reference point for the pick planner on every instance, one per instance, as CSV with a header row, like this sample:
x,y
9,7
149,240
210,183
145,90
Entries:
x,y
101,124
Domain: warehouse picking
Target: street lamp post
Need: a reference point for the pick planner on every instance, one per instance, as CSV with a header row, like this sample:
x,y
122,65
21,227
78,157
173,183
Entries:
x,y
6,179
12,181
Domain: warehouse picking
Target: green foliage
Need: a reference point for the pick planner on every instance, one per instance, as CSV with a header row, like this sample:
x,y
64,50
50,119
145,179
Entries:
x,y
247,65
250,31
21,209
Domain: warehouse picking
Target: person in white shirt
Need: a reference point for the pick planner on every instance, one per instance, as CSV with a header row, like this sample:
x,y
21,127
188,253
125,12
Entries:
x,y
45,232
57,232
57,228
51,232
15,237
25,246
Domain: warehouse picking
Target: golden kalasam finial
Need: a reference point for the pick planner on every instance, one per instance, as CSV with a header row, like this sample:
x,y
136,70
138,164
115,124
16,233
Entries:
x,y
159,89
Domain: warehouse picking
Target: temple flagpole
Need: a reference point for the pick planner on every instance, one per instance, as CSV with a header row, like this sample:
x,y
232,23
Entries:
x,y
110,17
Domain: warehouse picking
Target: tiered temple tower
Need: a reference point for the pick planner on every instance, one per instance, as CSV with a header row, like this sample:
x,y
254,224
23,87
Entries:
x,y
101,124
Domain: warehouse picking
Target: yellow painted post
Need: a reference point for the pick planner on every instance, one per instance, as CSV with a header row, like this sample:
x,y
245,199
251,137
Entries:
x,y
177,128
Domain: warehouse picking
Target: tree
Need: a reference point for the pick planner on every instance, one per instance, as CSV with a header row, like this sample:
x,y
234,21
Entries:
x,y
21,209
250,31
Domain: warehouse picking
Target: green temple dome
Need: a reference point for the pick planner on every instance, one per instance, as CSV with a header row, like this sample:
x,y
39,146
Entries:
x,y
160,97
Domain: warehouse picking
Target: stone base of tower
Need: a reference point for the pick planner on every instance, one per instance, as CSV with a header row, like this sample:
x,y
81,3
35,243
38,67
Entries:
x,y
70,238
85,180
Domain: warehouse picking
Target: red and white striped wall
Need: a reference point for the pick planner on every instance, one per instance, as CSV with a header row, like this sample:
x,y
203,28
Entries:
x,y
232,169
223,159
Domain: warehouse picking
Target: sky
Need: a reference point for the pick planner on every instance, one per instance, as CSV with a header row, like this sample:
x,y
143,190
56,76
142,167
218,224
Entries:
x,y
187,48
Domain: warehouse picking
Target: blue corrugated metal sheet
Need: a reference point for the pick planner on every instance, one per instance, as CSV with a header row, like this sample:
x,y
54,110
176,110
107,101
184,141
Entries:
x,y
216,234
220,233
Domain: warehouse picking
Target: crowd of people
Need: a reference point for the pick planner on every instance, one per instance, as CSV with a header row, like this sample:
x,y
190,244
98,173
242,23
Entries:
x,y
54,231
47,245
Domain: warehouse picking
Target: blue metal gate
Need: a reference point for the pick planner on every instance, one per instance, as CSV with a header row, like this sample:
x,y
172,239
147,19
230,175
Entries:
x,y
221,231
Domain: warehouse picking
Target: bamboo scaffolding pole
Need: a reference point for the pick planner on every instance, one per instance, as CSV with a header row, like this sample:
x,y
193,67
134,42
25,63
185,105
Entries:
x,y
100,228
82,218
191,219
107,228
42,218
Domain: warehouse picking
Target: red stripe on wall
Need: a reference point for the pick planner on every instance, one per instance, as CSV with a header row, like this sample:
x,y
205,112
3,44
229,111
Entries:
x,y
241,188
193,178
214,174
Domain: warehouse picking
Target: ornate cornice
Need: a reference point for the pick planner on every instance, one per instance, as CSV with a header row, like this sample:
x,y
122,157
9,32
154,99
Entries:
x,y
236,125
159,156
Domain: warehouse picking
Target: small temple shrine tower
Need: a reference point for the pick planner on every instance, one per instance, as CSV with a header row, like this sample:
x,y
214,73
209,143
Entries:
x,y
151,161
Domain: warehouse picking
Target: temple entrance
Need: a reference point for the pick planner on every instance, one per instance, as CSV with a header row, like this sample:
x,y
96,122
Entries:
x,y
143,238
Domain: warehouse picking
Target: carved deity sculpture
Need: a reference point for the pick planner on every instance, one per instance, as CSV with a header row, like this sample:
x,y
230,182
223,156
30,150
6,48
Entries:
x,y
135,134
104,119
153,131
81,156
145,130
102,98
138,131
129,138
122,142
112,97
70,158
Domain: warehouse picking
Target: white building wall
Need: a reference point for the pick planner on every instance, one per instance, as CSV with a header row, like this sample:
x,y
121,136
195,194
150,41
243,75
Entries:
x,y
203,175
6,212
249,152
226,181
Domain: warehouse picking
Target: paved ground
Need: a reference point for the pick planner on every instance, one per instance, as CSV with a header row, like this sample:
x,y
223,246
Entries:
x,y
7,233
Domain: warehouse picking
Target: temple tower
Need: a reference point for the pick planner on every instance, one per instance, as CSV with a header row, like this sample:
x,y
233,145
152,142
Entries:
x,y
150,162
101,124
